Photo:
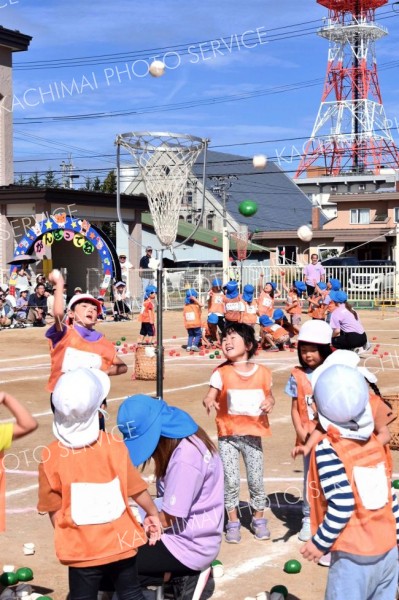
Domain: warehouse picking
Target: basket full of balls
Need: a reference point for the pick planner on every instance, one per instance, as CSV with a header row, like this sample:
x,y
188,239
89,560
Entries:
x,y
145,366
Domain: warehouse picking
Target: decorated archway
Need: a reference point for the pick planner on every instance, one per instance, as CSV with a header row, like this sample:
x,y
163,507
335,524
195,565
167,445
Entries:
x,y
78,232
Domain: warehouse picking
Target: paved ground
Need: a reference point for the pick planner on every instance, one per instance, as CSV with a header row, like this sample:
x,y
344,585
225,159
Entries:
x,y
250,567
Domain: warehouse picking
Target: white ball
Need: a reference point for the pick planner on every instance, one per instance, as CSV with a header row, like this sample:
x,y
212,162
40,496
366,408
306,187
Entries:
x,y
304,233
259,161
157,68
56,274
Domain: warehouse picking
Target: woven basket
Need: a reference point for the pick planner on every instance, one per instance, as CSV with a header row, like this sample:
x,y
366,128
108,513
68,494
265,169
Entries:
x,y
146,362
393,400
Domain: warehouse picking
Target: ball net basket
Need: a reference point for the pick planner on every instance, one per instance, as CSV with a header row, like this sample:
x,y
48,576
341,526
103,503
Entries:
x,y
165,161
393,400
241,239
145,366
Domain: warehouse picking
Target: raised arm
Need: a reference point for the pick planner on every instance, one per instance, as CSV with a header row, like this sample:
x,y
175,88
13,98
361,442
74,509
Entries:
x,y
25,423
57,280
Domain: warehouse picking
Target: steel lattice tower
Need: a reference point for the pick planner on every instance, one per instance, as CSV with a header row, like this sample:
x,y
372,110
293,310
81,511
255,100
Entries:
x,y
351,132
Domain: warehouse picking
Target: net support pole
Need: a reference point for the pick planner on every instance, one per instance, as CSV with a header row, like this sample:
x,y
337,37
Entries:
x,y
160,360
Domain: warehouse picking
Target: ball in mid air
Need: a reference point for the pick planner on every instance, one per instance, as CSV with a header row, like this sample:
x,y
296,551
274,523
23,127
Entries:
x,y
247,208
259,161
157,68
304,233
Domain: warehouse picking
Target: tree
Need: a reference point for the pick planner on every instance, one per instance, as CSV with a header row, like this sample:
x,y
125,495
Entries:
x,y
35,180
49,180
88,184
96,185
109,184
21,180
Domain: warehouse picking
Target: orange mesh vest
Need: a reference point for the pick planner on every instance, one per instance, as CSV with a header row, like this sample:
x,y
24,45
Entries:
x,y
319,312
240,396
382,415
192,316
368,532
216,304
275,331
305,393
72,339
265,305
233,308
249,315
146,315
293,310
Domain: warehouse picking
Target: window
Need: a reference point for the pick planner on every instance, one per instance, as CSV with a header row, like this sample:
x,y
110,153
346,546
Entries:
x,y
396,215
209,221
189,218
362,187
360,216
189,198
381,216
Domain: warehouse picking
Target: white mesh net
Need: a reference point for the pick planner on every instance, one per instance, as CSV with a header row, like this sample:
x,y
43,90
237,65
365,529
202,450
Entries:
x,y
165,161
241,239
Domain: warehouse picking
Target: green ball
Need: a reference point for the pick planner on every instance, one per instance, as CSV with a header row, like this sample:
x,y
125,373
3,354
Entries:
x,y
211,356
118,343
8,579
24,574
247,208
215,563
292,566
395,484
44,598
123,339
280,589
217,352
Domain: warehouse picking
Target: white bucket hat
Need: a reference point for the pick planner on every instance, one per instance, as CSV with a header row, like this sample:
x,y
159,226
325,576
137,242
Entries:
x,y
77,398
315,332
342,399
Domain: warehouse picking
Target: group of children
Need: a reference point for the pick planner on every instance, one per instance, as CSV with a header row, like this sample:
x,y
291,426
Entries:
x,y
340,426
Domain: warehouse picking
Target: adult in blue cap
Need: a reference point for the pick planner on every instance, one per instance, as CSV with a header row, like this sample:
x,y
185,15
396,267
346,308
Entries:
x,y
348,331
190,480
215,301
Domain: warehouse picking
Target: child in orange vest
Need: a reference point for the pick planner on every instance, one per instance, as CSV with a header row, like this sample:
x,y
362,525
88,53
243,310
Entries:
x,y
85,480
250,305
317,305
192,320
314,346
240,392
216,302
354,510
280,319
273,336
233,306
266,297
293,305
147,316
24,424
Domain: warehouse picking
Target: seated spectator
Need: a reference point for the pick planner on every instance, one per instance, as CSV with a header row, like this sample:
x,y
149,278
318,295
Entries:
x,y
37,307
77,290
103,315
22,305
9,298
121,309
24,277
6,313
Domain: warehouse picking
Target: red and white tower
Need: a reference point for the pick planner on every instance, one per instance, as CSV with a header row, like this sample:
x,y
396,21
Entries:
x,y
351,132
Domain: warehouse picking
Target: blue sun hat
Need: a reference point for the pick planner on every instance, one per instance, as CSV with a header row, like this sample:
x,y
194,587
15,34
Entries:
x,y
266,321
335,284
248,293
300,287
322,286
232,290
142,420
213,319
151,289
216,283
272,284
189,293
339,297
278,314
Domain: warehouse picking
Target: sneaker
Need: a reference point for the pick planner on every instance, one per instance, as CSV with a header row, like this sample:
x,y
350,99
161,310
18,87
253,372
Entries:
x,y
188,348
233,534
305,534
325,560
195,349
273,349
259,527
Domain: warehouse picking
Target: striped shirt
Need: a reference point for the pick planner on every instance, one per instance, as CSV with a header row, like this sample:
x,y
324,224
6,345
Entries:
x,y
339,496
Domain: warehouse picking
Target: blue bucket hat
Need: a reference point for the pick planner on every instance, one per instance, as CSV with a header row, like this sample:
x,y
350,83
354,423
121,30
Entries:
x,y
266,321
272,284
151,289
339,297
248,293
300,287
335,284
216,283
213,319
189,293
322,286
232,290
142,420
278,314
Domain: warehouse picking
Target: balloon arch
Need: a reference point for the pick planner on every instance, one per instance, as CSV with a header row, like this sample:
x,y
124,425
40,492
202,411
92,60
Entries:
x,y
78,232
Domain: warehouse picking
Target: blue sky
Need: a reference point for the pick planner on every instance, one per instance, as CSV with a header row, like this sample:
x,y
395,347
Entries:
x,y
81,28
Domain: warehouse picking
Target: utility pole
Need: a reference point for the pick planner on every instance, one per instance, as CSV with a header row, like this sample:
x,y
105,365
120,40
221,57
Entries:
x,y
222,184
67,174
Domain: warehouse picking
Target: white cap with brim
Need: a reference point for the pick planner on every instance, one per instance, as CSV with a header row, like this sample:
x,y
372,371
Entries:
x,y
315,332
342,399
81,298
77,398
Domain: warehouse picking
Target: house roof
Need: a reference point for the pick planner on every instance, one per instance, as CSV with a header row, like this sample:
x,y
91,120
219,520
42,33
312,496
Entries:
x,y
281,204
377,196
334,235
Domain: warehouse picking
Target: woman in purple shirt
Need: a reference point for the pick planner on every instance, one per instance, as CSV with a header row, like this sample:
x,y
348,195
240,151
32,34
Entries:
x,y
348,331
189,477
